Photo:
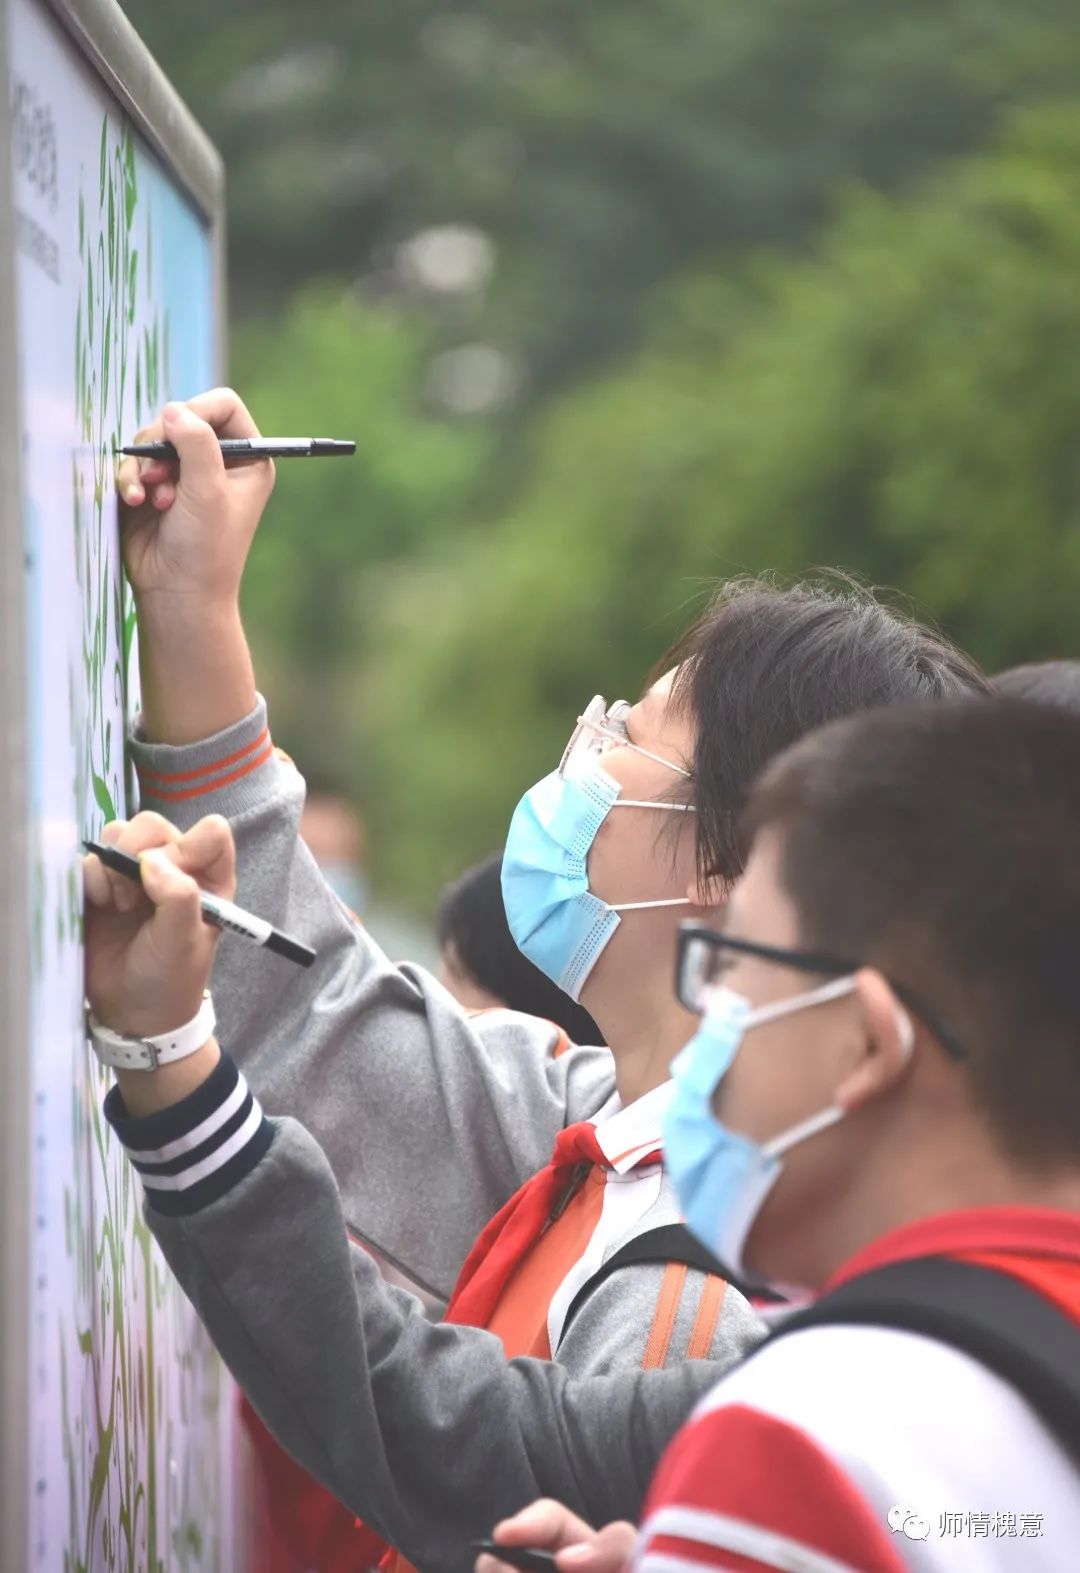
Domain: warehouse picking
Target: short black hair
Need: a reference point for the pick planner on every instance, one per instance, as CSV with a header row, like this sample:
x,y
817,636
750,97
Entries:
x,y
471,920
764,664
941,844
1050,682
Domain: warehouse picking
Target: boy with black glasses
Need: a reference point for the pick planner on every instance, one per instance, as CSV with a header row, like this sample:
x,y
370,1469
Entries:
x,y
879,1108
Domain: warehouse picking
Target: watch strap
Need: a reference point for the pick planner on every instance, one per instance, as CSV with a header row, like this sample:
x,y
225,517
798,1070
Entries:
x,y
148,1054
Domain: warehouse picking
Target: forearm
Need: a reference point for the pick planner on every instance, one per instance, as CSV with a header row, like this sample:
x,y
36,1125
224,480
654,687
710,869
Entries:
x,y
430,1119
195,667
427,1432
148,1092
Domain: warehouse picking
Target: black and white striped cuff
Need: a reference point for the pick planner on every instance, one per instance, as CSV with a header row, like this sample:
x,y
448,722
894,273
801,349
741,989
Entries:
x,y
195,1152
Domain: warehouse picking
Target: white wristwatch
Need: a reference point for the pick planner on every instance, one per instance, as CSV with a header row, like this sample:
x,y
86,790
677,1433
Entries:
x,y
147,1054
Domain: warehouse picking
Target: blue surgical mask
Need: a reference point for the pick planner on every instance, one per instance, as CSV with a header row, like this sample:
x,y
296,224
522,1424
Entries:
x,y
722,1178
556,920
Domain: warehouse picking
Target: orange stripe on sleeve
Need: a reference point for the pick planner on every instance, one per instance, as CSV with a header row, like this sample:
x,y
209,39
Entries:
x,y
206,770
712,1298
164,795
664,1320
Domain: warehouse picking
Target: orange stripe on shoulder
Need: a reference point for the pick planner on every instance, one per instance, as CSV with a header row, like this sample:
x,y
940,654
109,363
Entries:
x,y
167,795
708,1314
180,776
667,1306
652,1145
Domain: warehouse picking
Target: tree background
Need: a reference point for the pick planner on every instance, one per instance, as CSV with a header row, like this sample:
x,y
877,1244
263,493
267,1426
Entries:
x,y
618,300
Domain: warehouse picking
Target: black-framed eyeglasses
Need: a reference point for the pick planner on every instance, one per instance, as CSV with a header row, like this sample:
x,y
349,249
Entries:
x,y
700,967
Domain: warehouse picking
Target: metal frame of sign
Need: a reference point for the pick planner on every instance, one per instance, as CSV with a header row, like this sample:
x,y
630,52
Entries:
x,y
108,42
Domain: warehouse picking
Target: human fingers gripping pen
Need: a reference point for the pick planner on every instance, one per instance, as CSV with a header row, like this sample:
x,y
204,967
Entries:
x,y
528,1558
215,909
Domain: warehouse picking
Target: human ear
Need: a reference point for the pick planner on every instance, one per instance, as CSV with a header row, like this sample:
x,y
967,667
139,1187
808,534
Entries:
x,y
888,1037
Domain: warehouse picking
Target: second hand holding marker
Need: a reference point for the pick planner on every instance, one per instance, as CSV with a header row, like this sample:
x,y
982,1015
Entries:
x,y
215,909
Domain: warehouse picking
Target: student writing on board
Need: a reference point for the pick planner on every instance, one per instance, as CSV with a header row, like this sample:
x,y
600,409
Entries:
x,y
411,1045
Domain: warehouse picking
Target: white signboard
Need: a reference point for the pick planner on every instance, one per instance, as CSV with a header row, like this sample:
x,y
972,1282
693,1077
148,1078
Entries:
x,y
129,1425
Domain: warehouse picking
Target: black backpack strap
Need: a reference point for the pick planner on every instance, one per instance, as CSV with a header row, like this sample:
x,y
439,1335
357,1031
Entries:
x,y
1008,1327
671,1242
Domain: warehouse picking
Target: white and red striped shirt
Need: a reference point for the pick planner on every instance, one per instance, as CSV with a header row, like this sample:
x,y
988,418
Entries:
x,y
863,1448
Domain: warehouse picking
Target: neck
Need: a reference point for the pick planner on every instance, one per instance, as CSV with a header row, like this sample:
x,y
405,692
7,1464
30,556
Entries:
x,y
642,1045
952,1177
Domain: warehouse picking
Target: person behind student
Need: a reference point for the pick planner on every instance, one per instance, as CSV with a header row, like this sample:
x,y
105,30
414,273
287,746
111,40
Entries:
x,y
1047,682
483,968
913,1098
499,1175
335,835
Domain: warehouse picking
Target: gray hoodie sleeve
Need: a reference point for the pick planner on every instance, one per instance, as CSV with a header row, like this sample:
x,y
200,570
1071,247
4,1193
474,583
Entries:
x,y
426,1432
430,1118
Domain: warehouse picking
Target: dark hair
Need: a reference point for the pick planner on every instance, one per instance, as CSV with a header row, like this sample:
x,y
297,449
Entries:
x,y
941,844
1049,682
472,920
763,665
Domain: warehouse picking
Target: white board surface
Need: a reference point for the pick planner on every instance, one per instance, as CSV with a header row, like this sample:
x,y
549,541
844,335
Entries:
x,y
130,1428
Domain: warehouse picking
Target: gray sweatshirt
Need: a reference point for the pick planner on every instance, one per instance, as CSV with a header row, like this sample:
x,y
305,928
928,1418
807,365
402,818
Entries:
x,y
425,1431
428,1119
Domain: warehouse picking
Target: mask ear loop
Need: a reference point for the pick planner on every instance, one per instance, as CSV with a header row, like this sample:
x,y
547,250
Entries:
x,y
786,1007
641,802
831,1116
640,906
803,1131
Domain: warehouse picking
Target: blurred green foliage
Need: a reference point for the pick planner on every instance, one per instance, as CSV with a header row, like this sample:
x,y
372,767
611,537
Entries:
x,y
601,146
905,404
783,285
333,366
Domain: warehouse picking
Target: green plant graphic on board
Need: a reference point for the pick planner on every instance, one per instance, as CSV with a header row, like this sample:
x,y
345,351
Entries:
x,y
140,1444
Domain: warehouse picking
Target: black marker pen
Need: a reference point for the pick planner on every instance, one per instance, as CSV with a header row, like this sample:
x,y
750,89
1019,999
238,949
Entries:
x,y
525,1557
215,909
253,448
